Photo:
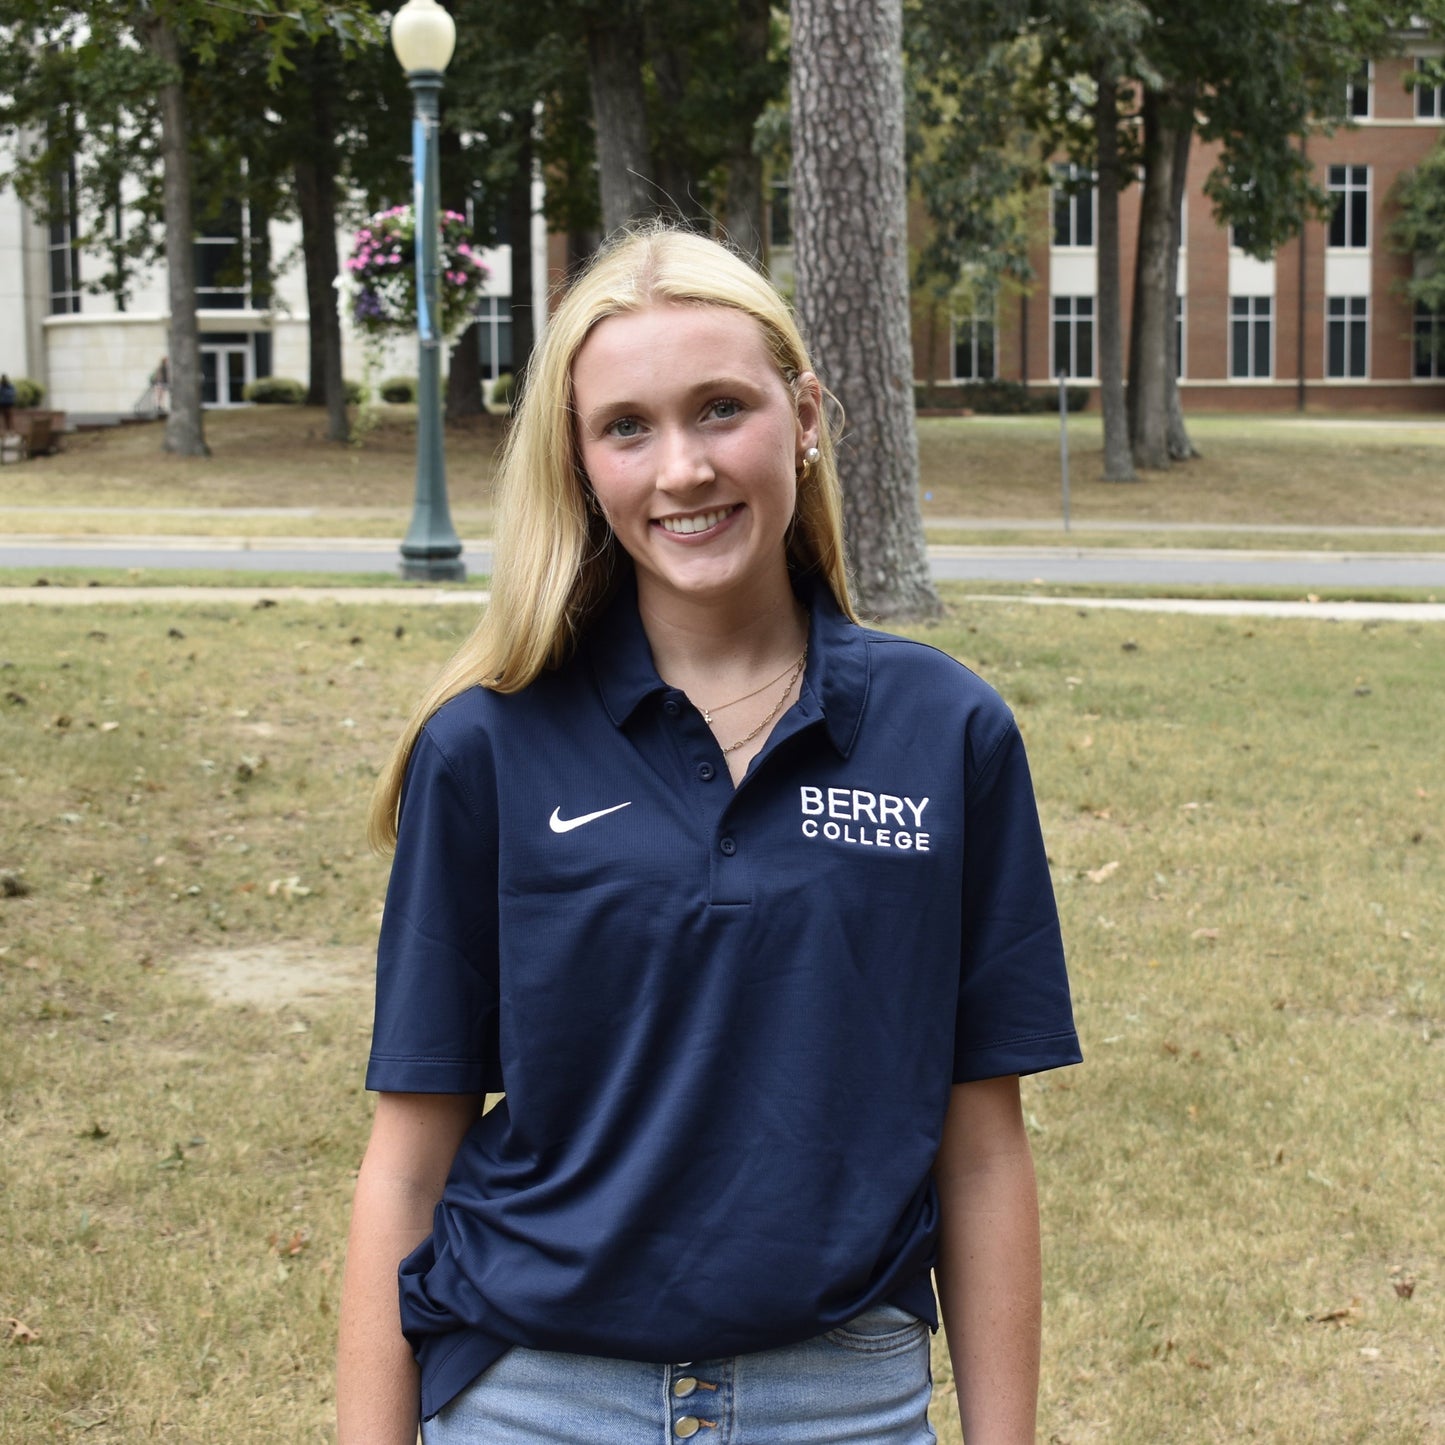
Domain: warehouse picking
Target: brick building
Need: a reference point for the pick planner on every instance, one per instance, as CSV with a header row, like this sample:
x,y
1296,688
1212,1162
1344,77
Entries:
x,y
1321,326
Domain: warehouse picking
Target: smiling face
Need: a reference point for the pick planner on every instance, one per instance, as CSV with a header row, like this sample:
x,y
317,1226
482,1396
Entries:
x,y
692,442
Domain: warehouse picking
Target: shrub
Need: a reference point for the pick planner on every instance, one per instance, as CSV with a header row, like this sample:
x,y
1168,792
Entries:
x,y
28,393
999,398
356,393
275,391
399,389
502,390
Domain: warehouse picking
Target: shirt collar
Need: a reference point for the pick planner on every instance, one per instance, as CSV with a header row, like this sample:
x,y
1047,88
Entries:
x,y
837,676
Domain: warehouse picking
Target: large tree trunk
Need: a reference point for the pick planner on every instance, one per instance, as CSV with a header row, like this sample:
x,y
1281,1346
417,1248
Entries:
x,y
464,376
185,432
1153,286
1118,463
1181,445
743,213
676,192
316,201
615,45
851,256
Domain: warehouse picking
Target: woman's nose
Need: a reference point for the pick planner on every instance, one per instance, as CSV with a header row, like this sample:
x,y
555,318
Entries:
x,y
684,460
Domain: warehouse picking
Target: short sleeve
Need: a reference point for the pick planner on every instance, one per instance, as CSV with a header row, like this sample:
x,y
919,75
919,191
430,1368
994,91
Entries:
x,y
1014,1012
436,971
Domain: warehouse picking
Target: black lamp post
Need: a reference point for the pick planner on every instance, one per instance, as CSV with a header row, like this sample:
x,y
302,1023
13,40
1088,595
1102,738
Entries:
x,y
424,36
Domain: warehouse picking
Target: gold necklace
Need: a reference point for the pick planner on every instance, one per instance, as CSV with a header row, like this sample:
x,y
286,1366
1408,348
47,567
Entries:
x,y
707,713
794,674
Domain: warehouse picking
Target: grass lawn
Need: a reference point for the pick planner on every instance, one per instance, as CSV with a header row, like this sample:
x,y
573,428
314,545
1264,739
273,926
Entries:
x,y
272,473
1241,1185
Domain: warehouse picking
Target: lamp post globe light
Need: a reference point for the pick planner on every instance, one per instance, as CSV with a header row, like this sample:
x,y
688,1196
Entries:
x,y
424,36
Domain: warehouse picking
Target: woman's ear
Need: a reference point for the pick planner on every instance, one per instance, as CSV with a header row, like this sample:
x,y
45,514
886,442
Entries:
x,y
808,397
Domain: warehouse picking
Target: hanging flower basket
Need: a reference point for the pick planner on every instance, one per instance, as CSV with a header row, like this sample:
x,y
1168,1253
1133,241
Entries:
x,y
382,269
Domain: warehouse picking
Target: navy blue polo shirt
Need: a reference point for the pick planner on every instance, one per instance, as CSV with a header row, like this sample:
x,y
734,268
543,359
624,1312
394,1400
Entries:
x,y
726,1021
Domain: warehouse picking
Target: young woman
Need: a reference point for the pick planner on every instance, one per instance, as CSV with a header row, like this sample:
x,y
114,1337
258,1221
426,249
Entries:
x,y
745,910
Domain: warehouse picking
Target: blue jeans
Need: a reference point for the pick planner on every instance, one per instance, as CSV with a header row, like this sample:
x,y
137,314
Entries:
x,y
867,1383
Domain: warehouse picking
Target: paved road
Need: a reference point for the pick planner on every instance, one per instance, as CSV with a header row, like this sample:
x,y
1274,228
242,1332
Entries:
x,y
1109,566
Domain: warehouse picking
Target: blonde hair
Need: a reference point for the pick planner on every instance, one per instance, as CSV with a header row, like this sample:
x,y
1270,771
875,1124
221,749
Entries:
x,y
555,559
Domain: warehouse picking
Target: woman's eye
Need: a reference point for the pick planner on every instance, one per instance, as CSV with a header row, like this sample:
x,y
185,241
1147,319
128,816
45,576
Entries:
x,y
624,427
725,407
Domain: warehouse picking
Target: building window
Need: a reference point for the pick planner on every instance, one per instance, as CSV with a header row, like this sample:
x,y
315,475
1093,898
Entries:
x,y
1429,99
64,241
1073,335
1347,336
1357,92
1429,343
975,347
221,250
494,335
1350,218
1073,207
1251,337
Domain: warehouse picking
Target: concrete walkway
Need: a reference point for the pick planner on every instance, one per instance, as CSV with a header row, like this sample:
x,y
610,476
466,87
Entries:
x,y
452,597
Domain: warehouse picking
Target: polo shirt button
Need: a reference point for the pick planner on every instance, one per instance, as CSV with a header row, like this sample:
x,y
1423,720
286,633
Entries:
x,y
684,1387
671,707
728,846
687,1427
706,772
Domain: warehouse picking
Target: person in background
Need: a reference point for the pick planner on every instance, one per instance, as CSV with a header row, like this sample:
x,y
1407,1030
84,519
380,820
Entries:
x,y
741,906
7,404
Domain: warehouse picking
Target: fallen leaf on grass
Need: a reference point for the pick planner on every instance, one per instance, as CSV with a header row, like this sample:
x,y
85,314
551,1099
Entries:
x,y
21,1333
1206,933
1098,875
287,888
1345,1315
1404,1283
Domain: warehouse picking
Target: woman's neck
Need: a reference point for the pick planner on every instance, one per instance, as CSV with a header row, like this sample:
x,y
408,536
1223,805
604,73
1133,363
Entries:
x,y
714,647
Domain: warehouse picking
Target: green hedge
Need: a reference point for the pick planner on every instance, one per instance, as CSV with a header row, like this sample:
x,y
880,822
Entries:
x,y
27,393
998,398
275,391
502,390
399,389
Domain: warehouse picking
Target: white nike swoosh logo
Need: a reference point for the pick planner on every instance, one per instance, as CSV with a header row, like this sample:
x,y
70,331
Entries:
x,y
559,824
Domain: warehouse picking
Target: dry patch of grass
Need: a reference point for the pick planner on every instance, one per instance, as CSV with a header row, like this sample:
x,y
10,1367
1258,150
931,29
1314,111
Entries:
x,y
261,457
1254,472
1240,1185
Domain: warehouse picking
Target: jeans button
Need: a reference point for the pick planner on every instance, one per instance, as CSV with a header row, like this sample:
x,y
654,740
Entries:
x,y
684,1387
687,1427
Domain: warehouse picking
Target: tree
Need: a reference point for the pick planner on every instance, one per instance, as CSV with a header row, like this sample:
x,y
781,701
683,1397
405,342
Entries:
x,y
851,258
1419,231
140,48
1255,79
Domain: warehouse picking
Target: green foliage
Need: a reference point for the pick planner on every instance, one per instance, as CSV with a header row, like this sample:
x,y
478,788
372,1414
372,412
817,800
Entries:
x,y
27,392
397,389
275,391
1419,231
356,393
503,389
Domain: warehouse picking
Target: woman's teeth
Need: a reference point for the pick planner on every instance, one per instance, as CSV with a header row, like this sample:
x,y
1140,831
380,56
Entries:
x,y
699,523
